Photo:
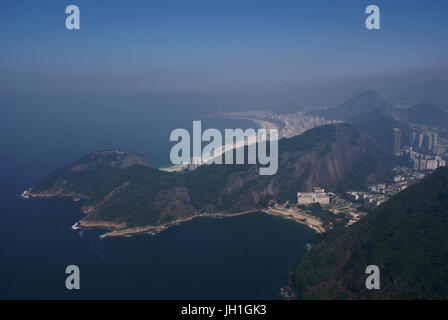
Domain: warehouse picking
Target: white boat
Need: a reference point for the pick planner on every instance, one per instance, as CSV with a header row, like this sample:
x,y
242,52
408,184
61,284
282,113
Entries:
x,y
76,226
25,195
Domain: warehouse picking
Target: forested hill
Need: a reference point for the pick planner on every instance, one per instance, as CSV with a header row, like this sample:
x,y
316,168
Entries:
x,y
406,237
128,191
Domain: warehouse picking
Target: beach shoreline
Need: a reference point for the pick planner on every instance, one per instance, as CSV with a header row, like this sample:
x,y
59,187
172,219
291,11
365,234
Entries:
x,y
307,220
120,229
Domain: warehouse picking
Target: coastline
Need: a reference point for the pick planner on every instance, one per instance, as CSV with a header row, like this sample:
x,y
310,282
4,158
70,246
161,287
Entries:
x,y
310,222
261,123
120,229
264,124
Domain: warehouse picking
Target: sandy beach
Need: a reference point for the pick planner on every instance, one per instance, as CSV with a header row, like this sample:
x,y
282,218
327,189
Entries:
x,y
307,220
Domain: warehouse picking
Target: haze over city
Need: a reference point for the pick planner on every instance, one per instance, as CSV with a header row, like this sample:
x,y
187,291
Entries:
x,y
212,151
232,54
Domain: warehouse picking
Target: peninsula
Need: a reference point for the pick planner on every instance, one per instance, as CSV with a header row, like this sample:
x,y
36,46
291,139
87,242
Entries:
x,y
122,192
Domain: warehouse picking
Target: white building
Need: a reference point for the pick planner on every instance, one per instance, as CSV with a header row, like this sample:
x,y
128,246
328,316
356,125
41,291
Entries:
x,y
319,196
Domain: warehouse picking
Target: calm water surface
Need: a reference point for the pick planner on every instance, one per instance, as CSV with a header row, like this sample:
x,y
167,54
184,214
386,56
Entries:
x,y
245,257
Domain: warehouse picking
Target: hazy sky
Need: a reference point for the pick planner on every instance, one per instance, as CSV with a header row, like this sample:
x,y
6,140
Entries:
x,y
188,45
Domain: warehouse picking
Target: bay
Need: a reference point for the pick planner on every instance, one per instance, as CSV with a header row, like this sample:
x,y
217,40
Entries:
x,y
244,257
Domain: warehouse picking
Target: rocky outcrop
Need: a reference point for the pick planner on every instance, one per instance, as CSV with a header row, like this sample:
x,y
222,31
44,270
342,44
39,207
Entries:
x,y
329,169
329,165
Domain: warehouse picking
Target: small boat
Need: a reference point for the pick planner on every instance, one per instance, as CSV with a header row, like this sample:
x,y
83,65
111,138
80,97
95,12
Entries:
x,y
76,226
25,195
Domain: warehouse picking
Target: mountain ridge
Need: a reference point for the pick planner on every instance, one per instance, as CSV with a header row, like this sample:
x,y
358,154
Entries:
x,y
365,102
429,114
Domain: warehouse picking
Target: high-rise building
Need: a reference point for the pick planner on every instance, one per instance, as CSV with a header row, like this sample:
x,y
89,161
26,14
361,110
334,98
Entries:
x,y
412,138
427,142
422,164
195,163
420,141
434,140
415,164
431,164
396,141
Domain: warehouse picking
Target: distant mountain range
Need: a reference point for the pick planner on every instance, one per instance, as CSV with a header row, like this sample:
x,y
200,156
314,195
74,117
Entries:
x,y
379,125
434,91
366,102
119,190
406,237
372,113
426,113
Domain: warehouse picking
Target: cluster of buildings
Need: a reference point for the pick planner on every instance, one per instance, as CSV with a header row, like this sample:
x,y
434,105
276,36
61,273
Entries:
x,y
348,210
379,193
194,163
396,141
369,200
288,125
425,143
353,217
423,162
423,150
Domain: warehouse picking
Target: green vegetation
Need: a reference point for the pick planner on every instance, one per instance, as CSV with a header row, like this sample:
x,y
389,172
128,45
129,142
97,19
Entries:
x,y
319,212
406,237
122,187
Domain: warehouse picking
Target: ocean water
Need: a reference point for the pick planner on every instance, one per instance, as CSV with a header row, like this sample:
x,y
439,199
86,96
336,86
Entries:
x,y
245,257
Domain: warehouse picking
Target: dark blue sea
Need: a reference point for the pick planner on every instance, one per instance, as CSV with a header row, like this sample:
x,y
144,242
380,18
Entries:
x,y
244,257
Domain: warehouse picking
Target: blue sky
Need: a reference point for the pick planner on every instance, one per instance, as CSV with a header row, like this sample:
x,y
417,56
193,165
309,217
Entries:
x,y
214,44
